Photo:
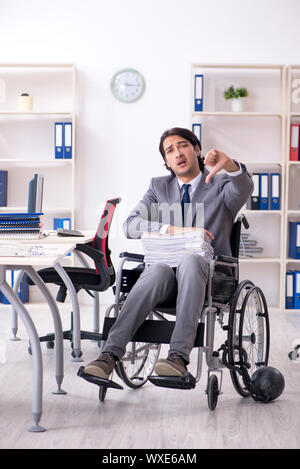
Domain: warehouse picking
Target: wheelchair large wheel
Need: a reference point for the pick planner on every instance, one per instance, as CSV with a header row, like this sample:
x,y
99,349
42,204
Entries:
x,y
248,335
138,363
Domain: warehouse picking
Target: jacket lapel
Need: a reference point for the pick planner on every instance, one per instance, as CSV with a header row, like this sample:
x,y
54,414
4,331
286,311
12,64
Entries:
x,y
174,200
198,195
173,191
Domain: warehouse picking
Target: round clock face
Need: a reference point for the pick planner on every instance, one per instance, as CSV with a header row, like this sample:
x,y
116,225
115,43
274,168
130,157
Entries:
x,y
127,85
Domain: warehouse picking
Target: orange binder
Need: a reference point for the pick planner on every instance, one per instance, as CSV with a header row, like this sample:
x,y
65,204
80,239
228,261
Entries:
x,y
294,142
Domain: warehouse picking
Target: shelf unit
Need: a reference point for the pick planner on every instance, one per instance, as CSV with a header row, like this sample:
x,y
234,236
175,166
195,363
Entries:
x,y
27,137
263,121
292,195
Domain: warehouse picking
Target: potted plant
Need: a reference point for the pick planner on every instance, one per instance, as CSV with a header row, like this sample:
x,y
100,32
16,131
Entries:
x,y
235,94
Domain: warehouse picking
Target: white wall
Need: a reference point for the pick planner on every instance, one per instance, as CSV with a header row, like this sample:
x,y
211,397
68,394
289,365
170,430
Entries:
x,y
118,143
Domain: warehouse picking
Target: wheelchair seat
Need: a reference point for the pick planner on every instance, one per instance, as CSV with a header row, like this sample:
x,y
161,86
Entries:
x,y
223,288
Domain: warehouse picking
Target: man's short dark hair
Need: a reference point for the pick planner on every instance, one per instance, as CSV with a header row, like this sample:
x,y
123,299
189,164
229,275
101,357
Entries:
x,y
187,135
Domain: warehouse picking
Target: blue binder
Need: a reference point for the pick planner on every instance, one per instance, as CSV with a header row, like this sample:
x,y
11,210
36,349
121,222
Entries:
x,y
64,223
198,93
68,140
294,240
58,139
264,191
3,188
289,290
23,292
197,130
275,191
297,289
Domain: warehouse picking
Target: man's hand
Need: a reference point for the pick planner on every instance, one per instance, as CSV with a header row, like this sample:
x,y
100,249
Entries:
x,y
185,229
218,160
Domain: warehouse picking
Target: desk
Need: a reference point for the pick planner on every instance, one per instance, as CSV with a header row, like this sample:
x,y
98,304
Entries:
x,y
28,265
50,240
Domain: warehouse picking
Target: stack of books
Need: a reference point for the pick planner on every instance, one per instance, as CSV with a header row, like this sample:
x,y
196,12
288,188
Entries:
x,y
20,225
169,249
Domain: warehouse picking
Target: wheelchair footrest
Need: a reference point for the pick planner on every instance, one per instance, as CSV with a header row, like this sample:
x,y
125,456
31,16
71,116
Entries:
x,y
99,381
187,381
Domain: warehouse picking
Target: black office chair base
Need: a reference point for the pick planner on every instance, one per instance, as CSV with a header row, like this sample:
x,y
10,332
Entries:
x,y
68,335
106,383
187,381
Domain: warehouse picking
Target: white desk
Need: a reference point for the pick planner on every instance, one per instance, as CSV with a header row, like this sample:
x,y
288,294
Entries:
x,y
28,265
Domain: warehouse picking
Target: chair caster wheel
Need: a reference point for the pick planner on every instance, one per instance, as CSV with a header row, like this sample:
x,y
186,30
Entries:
x,y
212,392
29,349
76,356
50,344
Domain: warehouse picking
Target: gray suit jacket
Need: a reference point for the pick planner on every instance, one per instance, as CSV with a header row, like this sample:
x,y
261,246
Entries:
x,y
222,197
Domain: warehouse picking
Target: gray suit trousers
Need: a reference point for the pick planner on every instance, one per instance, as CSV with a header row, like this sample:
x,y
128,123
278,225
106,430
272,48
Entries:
x,y
157,284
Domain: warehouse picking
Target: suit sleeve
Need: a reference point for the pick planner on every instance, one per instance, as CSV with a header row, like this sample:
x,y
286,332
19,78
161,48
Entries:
x,y
144,216
236,190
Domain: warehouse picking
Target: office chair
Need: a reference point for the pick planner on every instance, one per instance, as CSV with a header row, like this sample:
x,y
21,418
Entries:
x,y
83,278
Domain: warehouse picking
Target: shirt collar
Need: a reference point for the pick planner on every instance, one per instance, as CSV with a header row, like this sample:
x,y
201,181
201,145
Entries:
x,y
193,182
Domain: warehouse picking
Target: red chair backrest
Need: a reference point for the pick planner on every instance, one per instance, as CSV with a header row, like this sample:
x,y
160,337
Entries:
x,y
100,240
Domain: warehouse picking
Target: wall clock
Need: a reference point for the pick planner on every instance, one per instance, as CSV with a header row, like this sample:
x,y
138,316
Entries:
x,y
127,85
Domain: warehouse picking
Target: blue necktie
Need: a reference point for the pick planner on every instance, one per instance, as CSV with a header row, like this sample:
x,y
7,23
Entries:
x,y
185,200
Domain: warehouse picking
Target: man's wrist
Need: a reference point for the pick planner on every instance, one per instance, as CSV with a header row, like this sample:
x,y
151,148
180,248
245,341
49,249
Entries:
x,y
231,166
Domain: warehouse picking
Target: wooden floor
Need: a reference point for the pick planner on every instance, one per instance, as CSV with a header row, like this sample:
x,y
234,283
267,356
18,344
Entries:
x,y
151,417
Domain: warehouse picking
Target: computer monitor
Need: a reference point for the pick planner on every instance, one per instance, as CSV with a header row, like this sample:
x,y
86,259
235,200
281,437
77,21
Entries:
x,y
35,194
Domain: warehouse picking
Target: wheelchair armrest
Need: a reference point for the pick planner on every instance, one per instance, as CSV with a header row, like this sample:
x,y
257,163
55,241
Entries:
x,y
228,259
132,257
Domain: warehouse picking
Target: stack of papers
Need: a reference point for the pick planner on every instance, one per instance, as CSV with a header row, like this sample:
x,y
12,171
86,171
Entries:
x,y
34,250
169,249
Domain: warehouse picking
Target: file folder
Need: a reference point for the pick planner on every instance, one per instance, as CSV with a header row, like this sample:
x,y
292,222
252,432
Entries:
x,y
294,142
23,292
297,290
275,191
289,290
254,198
58,140
294,240
64,223
3,188
264,191
68,140
197,130
198,93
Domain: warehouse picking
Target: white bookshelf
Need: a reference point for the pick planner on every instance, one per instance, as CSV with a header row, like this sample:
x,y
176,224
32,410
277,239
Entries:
x,y
292,195
27,140
263,121
27,137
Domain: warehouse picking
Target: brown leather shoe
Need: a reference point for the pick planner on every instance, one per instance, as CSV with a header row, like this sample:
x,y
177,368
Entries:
x,y
103,366
174,365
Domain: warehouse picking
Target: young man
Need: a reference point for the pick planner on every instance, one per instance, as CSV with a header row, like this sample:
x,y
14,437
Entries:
x,y
222,196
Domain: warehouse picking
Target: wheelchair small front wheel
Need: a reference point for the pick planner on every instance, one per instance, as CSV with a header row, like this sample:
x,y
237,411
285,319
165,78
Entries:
x,y
248,337
212,392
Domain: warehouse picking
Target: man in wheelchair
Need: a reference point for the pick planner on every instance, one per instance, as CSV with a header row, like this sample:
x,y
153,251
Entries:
x,y
222,194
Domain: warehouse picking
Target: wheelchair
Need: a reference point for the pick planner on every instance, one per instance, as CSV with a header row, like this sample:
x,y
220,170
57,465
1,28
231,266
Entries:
x,y
240,308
